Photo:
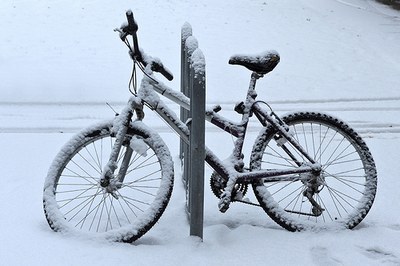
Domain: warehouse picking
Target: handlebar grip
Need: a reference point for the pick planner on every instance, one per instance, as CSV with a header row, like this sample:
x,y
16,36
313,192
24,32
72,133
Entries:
x,y
132,29
168,75
132,26
157,66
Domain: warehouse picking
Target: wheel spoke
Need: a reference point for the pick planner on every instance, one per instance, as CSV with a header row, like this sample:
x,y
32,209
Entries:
x,y
339,189
87,206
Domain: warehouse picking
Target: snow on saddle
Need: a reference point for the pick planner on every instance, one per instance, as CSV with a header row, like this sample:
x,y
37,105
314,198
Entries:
x,y
261,63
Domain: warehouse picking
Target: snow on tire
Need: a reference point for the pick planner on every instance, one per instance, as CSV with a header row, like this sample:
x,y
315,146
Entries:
x,y
74,201
348,178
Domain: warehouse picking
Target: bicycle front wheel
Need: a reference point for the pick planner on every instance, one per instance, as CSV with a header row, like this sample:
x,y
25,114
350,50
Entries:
x,y
347,183
74,201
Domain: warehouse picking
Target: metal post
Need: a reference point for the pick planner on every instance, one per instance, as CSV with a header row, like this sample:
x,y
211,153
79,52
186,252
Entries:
x,y
190,45
193,86
186,32
197,144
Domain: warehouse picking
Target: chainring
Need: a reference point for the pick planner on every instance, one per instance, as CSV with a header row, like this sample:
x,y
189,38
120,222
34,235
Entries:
x,y
218,185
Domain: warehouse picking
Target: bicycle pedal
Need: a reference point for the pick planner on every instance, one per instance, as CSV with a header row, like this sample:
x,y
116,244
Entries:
x,y
223,207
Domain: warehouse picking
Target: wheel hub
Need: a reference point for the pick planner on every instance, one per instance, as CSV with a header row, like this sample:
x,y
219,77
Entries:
x,y
110,185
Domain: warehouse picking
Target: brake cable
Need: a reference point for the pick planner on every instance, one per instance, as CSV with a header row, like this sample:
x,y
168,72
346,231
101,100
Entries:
x,y
141,65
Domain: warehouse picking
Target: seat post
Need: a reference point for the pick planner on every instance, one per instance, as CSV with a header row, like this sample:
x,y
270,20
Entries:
x,y
252,86
257,75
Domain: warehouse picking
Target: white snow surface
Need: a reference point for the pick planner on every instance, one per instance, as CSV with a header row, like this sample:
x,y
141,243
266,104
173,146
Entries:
x,y
60,61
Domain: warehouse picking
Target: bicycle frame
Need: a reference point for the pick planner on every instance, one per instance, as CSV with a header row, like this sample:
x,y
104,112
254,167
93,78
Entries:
x,y
136,183
234,172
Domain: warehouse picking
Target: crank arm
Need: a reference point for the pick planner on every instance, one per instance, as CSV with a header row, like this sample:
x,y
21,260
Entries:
x,y
224,202
226,197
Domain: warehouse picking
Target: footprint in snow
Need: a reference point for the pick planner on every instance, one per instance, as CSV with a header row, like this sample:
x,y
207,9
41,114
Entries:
x,y
321,256
384,257
395,227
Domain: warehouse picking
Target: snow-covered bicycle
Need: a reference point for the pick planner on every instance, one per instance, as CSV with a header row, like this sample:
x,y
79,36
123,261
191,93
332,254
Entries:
x,y
308,170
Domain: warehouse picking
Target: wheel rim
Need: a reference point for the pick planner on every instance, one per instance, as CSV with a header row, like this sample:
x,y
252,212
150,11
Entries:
x,y
87,206
343,178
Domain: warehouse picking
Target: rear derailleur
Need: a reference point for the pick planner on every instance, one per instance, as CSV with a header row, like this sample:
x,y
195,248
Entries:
x,y
315,183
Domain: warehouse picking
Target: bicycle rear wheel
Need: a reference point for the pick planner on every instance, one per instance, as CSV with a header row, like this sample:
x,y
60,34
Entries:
x,y
348,180
74,201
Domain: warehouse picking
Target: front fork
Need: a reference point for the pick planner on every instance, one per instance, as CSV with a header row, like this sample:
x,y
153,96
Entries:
x,y
108,180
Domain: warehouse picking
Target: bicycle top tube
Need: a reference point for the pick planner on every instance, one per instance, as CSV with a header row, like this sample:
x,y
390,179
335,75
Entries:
x,y
175,96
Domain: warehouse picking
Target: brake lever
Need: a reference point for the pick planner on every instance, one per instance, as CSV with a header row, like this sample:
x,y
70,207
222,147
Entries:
x,y
122,33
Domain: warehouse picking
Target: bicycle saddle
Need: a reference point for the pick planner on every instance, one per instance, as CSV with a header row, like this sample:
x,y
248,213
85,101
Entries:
x,y
261,63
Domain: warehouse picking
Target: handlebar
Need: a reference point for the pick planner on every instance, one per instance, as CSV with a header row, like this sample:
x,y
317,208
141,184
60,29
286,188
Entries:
x,y
131,21
131,29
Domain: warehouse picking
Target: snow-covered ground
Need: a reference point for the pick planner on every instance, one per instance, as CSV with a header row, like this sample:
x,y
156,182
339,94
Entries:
x,y
60,62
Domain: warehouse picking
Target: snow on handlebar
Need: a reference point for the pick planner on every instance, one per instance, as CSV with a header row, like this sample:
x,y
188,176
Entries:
x,y
136,54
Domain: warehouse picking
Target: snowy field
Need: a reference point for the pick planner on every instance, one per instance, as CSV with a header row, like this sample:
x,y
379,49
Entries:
x,y
61,61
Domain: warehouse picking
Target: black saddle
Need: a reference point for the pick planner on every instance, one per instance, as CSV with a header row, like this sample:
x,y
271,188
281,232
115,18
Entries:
x,y
261,64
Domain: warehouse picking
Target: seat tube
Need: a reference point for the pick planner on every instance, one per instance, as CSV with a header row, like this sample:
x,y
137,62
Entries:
x,y
250,99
